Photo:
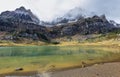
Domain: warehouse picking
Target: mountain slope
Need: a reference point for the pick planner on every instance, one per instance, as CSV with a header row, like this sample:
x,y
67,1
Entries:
x,y
20,15
23,24
84,26
72,15
20,24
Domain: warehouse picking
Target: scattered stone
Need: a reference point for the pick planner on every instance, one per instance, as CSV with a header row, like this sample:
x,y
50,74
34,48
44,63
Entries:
x,y
96,64
101,63
19,69
53,66
83,64
97,74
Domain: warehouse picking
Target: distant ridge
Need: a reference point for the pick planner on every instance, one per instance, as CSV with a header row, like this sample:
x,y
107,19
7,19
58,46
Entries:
x,y
22,24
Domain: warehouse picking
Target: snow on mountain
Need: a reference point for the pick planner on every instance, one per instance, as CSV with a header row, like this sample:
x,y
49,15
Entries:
x,y
20,14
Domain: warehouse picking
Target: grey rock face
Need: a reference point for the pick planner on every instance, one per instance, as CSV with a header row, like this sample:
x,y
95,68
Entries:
x,y
22,23
84,26
20,15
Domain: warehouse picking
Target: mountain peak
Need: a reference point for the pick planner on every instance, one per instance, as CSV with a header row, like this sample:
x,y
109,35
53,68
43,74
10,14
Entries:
x,y
21,9
20,14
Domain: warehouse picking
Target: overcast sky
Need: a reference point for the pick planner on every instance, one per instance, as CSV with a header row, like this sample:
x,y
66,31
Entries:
x,y
48,9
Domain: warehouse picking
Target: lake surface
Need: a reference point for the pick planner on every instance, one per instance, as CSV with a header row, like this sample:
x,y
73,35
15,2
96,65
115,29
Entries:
x,y
45,58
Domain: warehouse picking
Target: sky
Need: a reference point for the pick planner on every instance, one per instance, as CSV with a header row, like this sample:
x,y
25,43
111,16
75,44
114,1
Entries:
x,y
48,9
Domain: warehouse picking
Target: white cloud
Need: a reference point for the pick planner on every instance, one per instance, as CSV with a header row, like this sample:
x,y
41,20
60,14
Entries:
x,y
48,9
10,5
44,9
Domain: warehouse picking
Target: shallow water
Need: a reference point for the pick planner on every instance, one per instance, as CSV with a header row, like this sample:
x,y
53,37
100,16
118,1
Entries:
x,y
42,57
34,51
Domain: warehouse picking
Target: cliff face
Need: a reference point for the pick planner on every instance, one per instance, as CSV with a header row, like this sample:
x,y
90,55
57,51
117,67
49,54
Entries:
x,y
22,23
18,20
20,15
84,26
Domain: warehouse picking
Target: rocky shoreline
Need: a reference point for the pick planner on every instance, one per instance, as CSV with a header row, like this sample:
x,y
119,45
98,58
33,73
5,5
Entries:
x,y
96,70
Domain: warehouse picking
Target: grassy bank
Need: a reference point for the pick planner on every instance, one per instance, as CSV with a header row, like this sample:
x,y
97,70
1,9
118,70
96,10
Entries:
x,y
110,42
31,43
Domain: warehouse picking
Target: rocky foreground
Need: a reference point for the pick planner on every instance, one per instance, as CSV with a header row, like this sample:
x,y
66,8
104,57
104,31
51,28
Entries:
x,y
97,70
102,70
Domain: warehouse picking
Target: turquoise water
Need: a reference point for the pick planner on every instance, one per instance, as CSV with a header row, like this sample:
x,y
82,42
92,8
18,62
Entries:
x,y
33,51
12,57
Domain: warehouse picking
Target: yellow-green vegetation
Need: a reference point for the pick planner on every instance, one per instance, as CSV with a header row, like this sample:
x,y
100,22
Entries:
x,y
30,43
50,58
60,54
111,39
111,42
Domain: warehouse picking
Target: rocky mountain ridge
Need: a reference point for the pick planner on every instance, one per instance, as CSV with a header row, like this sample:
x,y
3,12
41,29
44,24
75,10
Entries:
x,y
84,26
22,23
20,15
